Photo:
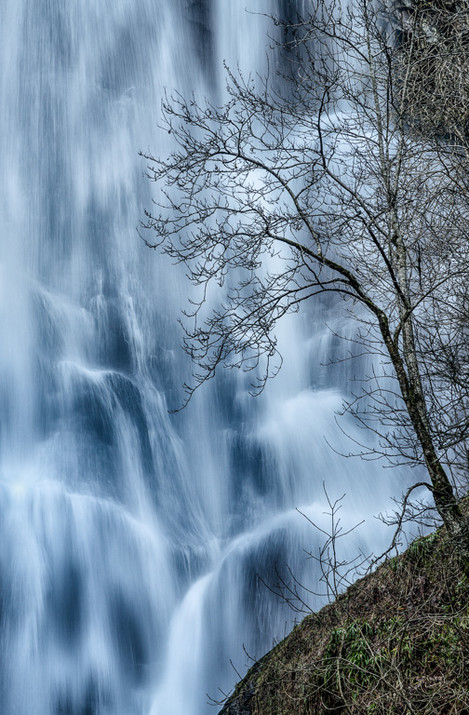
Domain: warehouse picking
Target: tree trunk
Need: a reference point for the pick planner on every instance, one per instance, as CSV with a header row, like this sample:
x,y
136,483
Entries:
x,y
412,394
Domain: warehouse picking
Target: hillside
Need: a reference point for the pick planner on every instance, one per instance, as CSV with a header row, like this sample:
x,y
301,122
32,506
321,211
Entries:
x,y
396,642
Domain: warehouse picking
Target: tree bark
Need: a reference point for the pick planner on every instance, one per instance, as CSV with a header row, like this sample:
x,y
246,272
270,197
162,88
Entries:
x,y
412,394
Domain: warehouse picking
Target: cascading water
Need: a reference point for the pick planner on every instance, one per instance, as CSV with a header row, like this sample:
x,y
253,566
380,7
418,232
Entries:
x,y
132,539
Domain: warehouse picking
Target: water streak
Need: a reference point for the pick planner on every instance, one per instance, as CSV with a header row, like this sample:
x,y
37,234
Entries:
x,y
132,539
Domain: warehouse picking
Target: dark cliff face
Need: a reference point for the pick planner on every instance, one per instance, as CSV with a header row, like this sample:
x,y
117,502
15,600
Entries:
x,y
434,49
396,642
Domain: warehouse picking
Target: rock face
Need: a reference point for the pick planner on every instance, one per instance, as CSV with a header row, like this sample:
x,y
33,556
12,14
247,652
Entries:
x,y
433,55
397,641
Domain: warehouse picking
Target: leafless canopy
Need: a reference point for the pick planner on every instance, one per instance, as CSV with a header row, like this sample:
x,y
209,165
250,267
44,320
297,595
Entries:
x,y
319,181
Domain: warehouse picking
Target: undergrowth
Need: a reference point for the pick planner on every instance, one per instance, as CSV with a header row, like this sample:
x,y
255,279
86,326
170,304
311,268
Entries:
x,y
397,642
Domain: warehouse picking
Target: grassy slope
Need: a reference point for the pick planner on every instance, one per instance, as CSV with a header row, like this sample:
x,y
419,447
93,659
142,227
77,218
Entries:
x,y
396,642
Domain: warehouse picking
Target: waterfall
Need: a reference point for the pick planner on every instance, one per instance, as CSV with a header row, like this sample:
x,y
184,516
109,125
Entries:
x,y
133,540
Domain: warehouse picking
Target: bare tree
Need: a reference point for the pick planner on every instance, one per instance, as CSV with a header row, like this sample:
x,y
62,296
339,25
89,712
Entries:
x,y
317,184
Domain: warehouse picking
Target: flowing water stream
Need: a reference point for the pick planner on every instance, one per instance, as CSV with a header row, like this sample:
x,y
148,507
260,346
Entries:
x,y
132,539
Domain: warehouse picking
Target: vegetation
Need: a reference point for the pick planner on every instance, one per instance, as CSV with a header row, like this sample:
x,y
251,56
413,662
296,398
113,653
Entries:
x,y
330,181
396,642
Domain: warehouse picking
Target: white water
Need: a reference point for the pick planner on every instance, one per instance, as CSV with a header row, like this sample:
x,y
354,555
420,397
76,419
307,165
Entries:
x,y
131,540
